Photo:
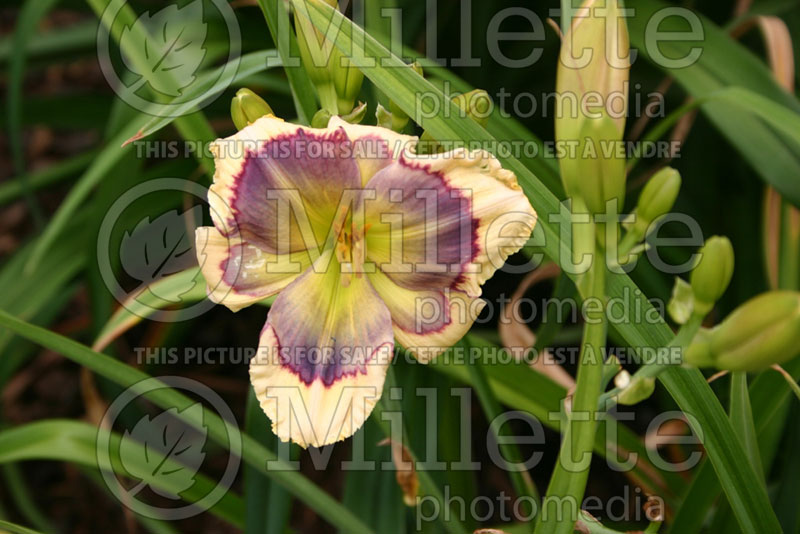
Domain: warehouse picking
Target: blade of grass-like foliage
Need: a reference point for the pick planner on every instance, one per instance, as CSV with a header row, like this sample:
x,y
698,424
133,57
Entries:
x,y
29,16
521,480
154,526
146,302
788,491
193,126
219,430
503,128
28,296
688,387
211,84
12,189
286,42
742,418
76,442
23,500
81,36
427,485
267,504
359,493
114,150
374,494
186,286
725,63
13,528
768,397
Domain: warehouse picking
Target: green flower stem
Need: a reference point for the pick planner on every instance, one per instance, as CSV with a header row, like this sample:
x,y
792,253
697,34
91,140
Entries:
x,y
652,370
327,98
521,480
630,240
568,482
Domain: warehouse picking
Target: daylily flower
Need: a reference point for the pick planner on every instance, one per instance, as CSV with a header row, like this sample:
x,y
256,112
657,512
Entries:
x,y
365,242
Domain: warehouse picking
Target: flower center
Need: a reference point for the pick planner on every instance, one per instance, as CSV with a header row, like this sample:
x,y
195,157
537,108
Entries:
x,y
350,247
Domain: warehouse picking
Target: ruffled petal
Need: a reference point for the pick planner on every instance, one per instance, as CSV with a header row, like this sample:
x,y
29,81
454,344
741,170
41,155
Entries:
x,y
323,356
426,323
239,274
280,185
461,215
374,147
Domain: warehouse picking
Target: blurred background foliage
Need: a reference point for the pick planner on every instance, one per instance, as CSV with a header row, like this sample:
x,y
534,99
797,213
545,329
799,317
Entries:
x,y
63,167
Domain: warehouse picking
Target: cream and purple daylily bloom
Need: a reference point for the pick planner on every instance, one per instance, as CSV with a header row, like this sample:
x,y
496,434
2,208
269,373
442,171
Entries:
x,y
364,242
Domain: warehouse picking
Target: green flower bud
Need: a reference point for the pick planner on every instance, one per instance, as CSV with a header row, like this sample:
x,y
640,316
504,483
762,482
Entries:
x,y
478,106
318,55
763,331
681,304
712,273
591,103
357,114
247,107
384,117
397,117
657,197
636,391
321,118
315,57
477,103
347,80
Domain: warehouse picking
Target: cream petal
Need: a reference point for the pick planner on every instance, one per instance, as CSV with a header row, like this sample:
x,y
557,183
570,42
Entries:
x,y
427,322
420,232
374,147
280,186
323,356
239,274
447,220
502,216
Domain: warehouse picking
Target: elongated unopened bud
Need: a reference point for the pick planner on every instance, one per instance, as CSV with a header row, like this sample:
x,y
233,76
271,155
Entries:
x,y
712,273
247,107
347,80
592,101
763,331
317,55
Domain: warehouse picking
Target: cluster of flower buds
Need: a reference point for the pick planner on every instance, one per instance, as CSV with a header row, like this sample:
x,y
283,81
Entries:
x,y
247,107
590,86
337,80
761,332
